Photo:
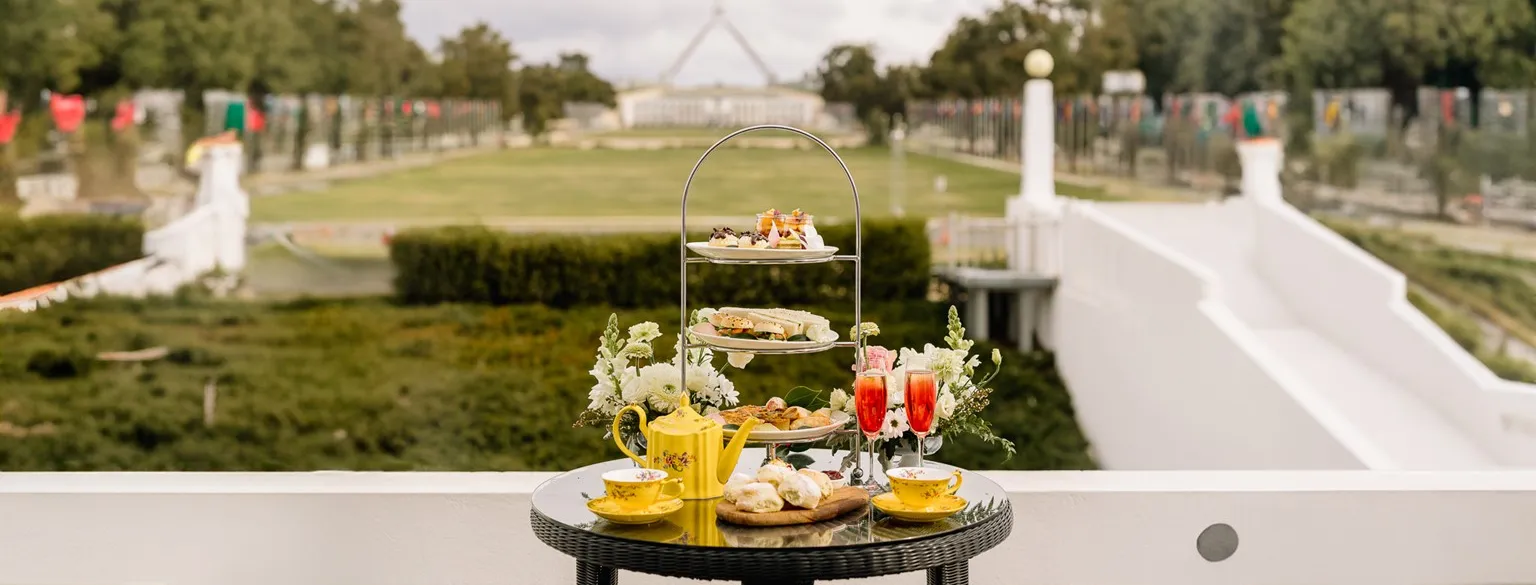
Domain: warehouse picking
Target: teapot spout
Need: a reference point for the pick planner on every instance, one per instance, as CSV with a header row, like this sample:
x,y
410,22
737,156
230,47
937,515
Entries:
x,y
732,451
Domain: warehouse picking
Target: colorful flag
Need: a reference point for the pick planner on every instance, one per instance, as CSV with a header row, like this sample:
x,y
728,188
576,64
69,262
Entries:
x,y
123,117
255,121
8,124
68,111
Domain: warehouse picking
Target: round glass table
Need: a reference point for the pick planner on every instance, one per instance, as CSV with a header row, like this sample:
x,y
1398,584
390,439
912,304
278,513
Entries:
x,y
691,543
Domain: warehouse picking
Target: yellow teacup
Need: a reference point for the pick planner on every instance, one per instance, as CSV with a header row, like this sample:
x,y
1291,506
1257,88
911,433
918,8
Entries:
x,y
638,489
922,487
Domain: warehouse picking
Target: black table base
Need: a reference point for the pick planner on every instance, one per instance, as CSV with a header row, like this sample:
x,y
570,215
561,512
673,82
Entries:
x,y
951,574
590,574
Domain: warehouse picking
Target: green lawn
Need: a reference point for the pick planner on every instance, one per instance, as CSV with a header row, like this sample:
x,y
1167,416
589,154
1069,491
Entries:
x,y
648,183
366,384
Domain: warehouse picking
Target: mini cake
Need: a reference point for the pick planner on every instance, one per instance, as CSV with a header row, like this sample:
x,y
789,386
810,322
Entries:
x,y
789,240
752,240
723,238
768,221
798,220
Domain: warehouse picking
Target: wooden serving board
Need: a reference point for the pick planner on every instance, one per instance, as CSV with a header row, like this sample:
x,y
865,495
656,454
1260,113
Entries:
x,y
845,499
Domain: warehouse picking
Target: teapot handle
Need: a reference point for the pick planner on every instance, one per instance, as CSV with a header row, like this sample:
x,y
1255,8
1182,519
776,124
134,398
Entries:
x,y
619,440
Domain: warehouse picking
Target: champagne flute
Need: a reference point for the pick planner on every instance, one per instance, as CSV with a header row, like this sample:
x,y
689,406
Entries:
x,y
870,402
921,398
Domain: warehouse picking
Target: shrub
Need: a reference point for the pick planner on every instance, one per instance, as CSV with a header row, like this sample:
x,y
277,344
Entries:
x,y
54,248
480,265
498,389
54,362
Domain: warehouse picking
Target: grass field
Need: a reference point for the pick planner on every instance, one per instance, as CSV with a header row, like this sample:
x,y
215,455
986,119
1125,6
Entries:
x,y
366,384
647,183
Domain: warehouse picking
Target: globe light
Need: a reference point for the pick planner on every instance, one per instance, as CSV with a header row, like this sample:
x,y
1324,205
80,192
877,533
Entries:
x,y
1038,63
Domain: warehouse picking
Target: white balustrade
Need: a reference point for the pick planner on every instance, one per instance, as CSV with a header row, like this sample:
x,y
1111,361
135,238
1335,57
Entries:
x,y
1100,528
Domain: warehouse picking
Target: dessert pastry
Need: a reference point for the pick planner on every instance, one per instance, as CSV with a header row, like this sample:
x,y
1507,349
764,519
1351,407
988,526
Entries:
x,y
796,412
734,486
723,238
821,480
810,422
776,403
800,491
789,240
752,240
759,497
769,221
798,221
774,472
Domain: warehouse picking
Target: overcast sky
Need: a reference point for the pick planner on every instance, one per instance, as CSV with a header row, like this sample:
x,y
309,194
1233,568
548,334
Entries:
x,y
636,40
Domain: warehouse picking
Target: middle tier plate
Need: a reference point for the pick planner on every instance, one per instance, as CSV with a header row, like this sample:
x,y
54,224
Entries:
x,y
723,343
760,254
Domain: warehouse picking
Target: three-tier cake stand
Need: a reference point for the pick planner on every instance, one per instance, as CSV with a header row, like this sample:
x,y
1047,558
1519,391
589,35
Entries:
x,y
856,258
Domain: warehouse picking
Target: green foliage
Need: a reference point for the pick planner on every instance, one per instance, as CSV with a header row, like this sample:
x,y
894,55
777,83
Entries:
x,y
1462,329
366,385
480,265
1338,159
54,248
1496,288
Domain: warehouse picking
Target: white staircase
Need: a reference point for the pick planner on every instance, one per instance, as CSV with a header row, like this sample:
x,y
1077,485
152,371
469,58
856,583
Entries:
x,y
1244,335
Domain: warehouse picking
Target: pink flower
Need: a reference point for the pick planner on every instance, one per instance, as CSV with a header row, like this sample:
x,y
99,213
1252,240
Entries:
x,y
877,358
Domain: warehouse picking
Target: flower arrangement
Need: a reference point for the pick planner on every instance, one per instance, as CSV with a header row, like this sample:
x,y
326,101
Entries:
x,y
627,372
962,393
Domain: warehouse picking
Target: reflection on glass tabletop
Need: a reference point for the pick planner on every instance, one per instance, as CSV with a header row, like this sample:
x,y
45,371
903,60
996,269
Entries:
x,y
564,500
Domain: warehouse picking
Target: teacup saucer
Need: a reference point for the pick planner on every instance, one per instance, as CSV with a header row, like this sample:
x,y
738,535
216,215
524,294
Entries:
x,y
942,508
609,510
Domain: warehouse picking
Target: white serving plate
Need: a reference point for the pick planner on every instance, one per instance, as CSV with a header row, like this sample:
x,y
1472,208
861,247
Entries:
x,y
768,433
708,251
732,343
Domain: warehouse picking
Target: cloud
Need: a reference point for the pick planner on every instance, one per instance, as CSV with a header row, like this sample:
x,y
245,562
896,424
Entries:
x,y
638,40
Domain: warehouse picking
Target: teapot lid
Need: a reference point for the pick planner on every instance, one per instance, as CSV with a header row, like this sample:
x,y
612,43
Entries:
x,y
684,420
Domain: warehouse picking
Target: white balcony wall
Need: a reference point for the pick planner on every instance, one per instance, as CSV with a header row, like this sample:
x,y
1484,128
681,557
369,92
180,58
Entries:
x,y
1086,528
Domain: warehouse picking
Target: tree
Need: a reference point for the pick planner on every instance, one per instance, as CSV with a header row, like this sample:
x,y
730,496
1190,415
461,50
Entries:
x,y
47,44
476,64
1403,44
579,84
848,74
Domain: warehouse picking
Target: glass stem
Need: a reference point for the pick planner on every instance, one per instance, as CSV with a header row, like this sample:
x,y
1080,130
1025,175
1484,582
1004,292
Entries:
x,y
872,462
921,447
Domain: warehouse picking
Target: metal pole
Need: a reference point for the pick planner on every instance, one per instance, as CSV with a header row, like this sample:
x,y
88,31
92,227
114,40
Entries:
x,y
898,167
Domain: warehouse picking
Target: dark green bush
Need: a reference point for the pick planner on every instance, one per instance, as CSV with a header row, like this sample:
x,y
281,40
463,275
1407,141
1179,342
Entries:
x,y
53,248
55,362
480,265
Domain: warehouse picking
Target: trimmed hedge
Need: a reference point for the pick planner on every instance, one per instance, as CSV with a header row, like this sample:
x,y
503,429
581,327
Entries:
x,y
480,265
60,247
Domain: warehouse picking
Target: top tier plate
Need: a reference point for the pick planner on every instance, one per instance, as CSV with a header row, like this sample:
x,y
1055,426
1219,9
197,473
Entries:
x,y
761,255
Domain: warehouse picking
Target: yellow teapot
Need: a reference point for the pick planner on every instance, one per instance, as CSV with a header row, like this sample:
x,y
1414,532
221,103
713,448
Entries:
x,y
687,446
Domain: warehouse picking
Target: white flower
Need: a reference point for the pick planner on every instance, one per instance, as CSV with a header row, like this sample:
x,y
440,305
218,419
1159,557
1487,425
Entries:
x,y
658,386
948,365
895,424
839,401
644,332
705,314
896,388
739,359
946,404
636,350
912,359
997,357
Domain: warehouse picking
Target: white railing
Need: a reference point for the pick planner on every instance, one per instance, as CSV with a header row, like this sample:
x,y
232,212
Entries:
x,y
1160,366
1091,528
1024,244
1362,305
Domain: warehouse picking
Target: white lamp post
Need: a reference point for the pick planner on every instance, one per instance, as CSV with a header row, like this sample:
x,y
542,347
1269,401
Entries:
x,y
1037,184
